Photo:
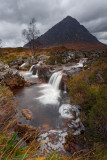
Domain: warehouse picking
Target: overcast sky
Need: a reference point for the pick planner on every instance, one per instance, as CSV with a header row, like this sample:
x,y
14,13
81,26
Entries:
x,y
16,14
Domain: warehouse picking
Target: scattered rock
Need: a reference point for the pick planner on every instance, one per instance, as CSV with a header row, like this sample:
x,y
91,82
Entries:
x,y
27,114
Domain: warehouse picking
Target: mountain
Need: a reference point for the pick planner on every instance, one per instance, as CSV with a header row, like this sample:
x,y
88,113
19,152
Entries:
x,y
68,32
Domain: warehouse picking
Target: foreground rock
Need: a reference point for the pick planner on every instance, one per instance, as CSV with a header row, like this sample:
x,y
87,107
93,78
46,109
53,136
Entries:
x,y
10,77
27,114
29,132
75,143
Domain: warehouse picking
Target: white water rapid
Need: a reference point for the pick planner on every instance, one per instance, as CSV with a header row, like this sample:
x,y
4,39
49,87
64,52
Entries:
x,y
81,63
50,92
56,79
30,70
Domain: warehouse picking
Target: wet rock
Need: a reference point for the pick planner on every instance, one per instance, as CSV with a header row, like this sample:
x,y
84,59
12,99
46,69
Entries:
x,y
12,79
35,68
44,72
27,114
29,132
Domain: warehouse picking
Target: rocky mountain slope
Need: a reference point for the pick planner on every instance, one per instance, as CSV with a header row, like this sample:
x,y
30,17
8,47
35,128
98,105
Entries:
x,y
66,32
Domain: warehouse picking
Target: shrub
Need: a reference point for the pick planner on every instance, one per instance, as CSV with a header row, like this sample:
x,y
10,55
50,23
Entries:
x,y
89,89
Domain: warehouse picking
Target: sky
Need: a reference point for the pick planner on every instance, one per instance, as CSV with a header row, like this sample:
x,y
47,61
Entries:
x,y
16,14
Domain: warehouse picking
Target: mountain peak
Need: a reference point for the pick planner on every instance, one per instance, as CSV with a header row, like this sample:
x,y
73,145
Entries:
x,y
67,31
69,18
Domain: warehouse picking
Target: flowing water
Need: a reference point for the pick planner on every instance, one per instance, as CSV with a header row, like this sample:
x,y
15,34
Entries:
x,y
51,109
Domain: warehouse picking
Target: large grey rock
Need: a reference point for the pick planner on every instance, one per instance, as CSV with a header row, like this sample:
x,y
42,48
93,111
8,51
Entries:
x,y
10,77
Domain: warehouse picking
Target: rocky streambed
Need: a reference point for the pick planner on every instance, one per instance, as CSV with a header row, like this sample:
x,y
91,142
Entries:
x,y
46,105
44,109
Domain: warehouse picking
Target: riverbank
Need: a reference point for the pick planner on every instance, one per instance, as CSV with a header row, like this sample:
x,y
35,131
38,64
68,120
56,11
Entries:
x,y
89,90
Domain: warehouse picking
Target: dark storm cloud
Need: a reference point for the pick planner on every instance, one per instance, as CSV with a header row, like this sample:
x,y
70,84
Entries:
x,y
16,14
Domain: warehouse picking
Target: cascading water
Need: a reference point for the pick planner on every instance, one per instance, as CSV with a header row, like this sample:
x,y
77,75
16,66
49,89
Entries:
x,y
80,64
22,65
30,70
52,111
28,75
56,79
50,91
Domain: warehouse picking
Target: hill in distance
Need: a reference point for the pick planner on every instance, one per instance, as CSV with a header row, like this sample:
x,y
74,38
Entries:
x,y
69,33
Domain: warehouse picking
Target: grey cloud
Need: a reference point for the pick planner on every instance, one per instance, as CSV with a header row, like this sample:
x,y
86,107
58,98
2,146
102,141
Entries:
x,y
16,14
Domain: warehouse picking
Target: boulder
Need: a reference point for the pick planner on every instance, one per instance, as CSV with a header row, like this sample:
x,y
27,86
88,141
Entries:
x,y
29,132
27,114
44,72
10,77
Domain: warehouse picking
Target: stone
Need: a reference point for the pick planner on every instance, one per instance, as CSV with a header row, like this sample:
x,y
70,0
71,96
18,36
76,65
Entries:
x,y
10,77
29,132
44,72
27,114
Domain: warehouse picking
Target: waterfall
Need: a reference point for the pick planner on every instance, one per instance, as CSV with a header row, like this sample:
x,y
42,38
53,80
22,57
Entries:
x,y
56,79
50,92
24,64
30,70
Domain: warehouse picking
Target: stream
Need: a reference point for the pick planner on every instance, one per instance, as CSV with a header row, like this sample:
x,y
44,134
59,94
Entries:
x,y
52,112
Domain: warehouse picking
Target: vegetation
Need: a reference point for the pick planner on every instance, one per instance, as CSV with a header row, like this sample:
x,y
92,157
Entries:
x,y
89,89
54,60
